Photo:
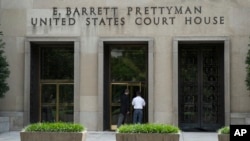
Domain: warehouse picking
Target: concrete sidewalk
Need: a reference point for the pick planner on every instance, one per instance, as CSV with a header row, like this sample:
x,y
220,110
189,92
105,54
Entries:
x,y
110,136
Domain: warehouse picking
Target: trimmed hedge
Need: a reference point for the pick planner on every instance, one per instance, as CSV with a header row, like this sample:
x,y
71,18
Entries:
x,y
54,127
148,128
224,130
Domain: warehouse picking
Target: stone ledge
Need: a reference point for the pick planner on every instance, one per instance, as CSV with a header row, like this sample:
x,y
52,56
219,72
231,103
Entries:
x,y
240,118
15,120
240,115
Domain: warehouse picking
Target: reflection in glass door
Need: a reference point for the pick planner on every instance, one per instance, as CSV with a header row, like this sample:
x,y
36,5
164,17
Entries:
x,y
56,83
48,103
56,102
66,102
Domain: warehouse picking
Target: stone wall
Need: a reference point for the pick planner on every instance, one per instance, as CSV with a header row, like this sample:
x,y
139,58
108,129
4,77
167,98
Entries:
x,y
135,20
4,124
12,121
240,118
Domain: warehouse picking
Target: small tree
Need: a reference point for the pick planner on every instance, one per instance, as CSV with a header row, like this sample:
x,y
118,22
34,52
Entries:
x,y
4,70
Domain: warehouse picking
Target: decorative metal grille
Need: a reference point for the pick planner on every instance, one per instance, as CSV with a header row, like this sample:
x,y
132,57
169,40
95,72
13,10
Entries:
x,y
201,86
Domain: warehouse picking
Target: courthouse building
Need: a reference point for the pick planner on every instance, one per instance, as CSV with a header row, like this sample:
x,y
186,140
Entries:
x,y
70,60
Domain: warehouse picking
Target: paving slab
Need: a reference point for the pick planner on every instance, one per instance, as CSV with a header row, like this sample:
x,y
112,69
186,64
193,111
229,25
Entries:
x,y
110,136
199,136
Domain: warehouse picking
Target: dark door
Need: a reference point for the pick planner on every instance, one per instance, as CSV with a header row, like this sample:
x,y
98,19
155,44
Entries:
x,y
201,86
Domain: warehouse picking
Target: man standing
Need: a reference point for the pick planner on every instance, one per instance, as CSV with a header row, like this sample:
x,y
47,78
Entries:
x,y
138,102
124,110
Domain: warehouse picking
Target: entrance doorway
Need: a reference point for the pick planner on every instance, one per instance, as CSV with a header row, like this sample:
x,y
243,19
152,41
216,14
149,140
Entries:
x,y
116,89
125,67
201,86
52,82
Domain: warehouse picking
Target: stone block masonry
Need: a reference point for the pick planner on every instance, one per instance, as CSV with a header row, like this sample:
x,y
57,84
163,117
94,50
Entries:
x,y
4,124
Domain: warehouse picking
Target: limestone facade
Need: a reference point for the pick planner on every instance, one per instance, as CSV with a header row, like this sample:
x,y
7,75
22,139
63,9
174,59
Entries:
x,y
90,23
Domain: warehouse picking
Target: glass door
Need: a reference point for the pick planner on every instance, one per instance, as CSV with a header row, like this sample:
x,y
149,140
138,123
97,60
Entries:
x,y
52,81
66,103
56,82
48,103
57,102
116,90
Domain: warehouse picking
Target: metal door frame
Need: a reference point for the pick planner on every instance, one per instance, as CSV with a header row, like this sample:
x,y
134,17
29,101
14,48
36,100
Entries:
x,y
27,72
57,83
127,85
150,75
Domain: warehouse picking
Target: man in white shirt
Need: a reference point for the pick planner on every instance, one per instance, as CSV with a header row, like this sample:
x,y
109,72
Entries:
x,y
138,103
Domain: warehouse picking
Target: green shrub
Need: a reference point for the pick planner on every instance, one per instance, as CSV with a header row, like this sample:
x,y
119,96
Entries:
x,y
224,130
54,127
147,128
